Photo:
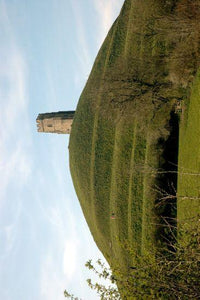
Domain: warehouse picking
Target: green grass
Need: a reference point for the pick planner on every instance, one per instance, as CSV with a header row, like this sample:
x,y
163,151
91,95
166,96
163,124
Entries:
x,y
122,116
189,159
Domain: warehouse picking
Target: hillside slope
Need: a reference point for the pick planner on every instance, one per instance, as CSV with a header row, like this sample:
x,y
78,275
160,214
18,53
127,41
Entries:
x,y
122,125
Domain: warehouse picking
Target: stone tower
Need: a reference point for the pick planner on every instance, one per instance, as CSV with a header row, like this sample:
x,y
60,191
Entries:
x,y
59,122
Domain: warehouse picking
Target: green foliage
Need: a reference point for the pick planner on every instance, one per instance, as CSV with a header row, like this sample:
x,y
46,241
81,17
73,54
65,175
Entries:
x,y
174,275
70,296
103,291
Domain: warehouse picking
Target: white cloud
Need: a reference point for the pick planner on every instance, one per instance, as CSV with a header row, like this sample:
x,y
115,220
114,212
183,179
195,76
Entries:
x,y
83,51
107,11
10,237
70,258
15,163
52,283
61,262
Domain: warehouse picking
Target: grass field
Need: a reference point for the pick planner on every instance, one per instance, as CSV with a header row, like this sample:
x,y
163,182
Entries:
x,y
121,144
189,160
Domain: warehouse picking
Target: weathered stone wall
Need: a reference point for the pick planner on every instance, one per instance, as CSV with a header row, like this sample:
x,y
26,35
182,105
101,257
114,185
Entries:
x,y
59,122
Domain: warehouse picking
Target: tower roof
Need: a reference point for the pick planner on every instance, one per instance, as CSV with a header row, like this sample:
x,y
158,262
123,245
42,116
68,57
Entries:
x,y
59,114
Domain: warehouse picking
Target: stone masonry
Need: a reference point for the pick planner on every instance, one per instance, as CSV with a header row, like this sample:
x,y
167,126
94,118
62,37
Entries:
x,y
55,122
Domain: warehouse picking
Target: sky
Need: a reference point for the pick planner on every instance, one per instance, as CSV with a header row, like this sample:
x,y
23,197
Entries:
x,y
47,51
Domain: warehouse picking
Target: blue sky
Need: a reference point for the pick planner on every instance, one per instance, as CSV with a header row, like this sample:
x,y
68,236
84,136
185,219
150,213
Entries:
x,y
46,54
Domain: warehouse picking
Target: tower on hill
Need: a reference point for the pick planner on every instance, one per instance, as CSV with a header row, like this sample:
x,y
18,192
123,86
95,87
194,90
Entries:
x,y
55,122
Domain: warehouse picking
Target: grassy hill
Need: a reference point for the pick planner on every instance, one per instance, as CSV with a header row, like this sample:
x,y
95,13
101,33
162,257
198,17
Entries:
x,y
124,138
